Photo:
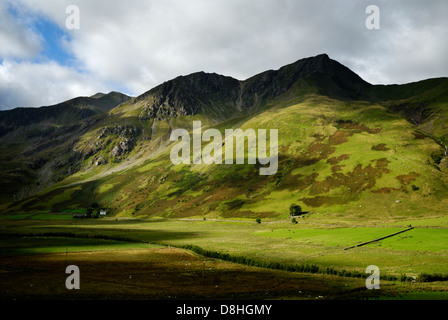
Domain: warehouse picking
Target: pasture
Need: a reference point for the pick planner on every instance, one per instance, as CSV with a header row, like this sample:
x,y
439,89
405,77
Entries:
x,y
422,250
115,243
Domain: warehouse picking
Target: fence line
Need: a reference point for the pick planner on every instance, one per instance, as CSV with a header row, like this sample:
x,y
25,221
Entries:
x,y
378,239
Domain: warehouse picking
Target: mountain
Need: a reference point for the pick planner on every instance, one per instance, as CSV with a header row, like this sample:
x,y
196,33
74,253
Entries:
x,y
346,147
221,97
60,114
327,76
35,141
423,103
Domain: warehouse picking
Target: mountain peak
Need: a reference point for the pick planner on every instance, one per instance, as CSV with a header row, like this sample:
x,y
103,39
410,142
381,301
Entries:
x,y
97,95
331,77
317,64
211,93
319,57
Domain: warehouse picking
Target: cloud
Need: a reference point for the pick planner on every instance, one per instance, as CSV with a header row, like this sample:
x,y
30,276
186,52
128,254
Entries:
x,y
135,45
17,39
36,84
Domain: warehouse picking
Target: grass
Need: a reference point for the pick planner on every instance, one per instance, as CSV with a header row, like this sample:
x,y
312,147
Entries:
x,y
49,216
331,237
424,222
149,166
41,245
421,240
275,244
105,188
37,216
416,251
15,216
421,295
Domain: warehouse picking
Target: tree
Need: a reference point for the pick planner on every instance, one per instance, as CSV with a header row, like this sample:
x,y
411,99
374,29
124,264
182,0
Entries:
x,y
258,220
94,205
295,210
89,212
93,211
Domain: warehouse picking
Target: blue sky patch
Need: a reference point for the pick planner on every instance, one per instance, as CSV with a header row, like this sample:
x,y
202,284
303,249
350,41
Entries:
x,y
53,36
53,48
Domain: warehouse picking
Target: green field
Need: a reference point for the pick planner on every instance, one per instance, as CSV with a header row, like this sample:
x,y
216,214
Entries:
x,y
38,216
36,245
422,250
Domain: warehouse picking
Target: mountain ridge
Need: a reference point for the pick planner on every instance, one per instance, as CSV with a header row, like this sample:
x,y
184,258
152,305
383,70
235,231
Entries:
x,y
320,106
244,95
59,114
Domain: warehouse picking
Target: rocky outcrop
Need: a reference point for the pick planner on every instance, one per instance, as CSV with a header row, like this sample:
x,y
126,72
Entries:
x,y
121,131
126,134
188,95
124,146
100,161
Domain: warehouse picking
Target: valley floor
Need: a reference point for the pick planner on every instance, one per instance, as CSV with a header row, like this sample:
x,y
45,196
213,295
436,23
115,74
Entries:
x,y
159,260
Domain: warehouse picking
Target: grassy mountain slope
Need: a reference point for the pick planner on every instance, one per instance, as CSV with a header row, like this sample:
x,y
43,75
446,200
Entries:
x,y
422,103
345,150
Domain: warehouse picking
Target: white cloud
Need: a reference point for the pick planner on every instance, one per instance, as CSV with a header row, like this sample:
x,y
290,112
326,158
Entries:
x,y
22,84
17,39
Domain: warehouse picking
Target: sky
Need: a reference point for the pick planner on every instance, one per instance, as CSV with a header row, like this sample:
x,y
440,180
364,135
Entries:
x,y
134,45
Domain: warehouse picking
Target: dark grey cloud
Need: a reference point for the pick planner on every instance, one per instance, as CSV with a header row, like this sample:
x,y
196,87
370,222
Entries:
x,y
138,44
